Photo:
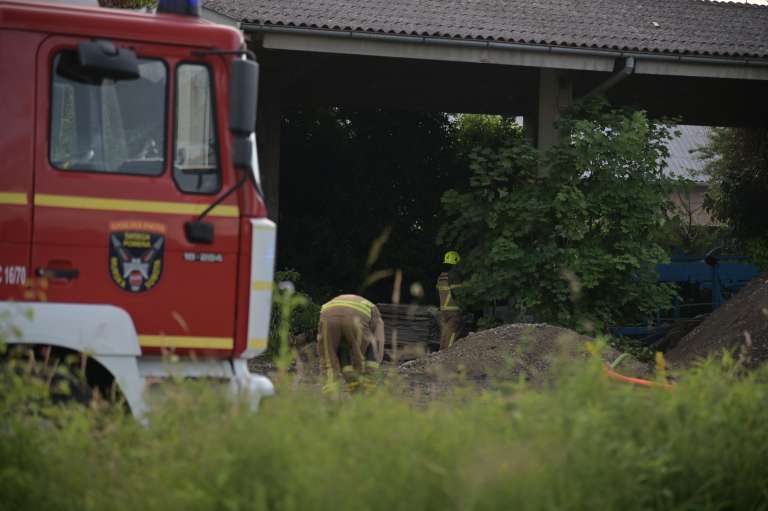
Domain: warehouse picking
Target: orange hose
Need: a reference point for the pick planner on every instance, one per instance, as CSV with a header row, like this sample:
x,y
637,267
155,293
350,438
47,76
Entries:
x,y
635,381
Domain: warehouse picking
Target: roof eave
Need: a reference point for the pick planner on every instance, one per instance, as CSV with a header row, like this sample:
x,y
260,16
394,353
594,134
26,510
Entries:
x,y
324,40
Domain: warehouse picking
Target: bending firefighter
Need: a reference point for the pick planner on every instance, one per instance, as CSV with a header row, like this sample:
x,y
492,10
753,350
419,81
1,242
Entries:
x,y
350,338
450,313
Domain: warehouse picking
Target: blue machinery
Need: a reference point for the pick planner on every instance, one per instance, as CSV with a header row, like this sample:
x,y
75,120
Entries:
x,y
715,276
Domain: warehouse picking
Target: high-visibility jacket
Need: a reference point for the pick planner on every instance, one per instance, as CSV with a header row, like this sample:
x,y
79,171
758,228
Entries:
x,y
450,313
444,288
353,302
350,326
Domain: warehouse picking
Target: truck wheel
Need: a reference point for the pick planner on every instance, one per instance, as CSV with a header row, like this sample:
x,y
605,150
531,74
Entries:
x,y
65,386
60,374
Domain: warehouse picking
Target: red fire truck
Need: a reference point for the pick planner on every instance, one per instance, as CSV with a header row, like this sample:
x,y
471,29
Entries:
x,y
131,219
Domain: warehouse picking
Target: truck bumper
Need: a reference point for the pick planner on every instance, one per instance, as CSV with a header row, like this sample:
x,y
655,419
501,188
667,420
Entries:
x,y
235,371
254,386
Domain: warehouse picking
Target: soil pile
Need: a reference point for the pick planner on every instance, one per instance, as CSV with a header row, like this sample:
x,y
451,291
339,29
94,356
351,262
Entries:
x,y
506,353
306,363
741,324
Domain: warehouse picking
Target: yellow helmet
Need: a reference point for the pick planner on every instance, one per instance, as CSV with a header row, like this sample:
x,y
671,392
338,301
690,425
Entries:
x,y
451,257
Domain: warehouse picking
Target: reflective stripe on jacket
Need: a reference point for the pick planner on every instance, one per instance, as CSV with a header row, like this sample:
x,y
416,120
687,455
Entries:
x,y
444,288
360,305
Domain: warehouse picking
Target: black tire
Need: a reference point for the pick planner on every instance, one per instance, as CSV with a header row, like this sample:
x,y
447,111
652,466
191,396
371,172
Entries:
x,y
62,376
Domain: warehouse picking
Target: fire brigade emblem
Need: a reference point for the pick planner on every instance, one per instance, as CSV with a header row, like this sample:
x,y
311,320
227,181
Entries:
x,y
136,259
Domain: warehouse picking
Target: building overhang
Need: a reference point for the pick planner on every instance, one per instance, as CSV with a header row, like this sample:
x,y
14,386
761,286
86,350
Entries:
x,y
498,53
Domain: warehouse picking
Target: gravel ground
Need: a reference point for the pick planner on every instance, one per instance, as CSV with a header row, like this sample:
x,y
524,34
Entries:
x,y
502,354
740,324
529,351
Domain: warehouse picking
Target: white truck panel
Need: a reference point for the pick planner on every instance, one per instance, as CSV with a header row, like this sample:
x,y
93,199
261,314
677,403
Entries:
x,y
107,334
263,235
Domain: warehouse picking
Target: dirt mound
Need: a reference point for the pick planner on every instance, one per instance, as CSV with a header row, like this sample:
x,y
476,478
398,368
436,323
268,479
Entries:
x,y
305,364
741,322
508,352
504,353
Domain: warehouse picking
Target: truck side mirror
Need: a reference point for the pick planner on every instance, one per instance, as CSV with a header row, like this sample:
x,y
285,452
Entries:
x,y
243,94
198,231
242,152
100,59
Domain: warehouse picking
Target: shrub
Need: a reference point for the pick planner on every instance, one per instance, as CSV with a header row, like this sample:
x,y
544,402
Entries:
x,y
737,165
573,245
304,314
586,443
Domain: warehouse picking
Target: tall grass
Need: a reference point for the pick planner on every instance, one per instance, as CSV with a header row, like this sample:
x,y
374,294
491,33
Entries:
x,y
585,443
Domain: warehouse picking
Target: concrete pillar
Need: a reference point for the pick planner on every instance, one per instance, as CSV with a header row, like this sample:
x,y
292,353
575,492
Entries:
x,y
531,127
268,126
555,96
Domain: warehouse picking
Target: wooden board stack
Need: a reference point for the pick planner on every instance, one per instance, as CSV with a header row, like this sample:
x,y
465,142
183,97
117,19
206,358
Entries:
x,y
416,327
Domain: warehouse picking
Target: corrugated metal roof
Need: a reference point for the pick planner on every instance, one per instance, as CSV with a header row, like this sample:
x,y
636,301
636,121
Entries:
x,y
691,27
683,159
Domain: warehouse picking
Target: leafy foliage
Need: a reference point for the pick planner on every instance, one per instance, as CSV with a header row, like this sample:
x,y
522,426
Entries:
x,y
737,165
303,313
348,175
681,236
479,130
702,446
587,443
574,247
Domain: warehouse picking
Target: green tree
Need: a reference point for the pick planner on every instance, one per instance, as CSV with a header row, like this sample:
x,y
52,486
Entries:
x,y
737,165
348,175
574,247
480,130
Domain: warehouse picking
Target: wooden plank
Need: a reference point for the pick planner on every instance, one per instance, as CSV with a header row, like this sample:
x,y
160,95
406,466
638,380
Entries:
x,y
413,324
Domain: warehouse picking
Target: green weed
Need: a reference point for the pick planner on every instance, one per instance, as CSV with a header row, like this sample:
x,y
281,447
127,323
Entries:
x,y
586,443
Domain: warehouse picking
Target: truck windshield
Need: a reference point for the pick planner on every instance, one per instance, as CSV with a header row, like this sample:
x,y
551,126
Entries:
x,y
106,125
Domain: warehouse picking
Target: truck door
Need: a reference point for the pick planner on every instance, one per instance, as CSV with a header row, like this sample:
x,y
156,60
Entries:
x,y
17,109
120,167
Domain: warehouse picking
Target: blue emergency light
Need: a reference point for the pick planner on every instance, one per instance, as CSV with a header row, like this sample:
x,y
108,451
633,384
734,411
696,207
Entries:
x,y
186,7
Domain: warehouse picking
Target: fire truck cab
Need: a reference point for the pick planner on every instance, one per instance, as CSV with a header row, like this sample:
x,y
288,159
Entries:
x,y
132,225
